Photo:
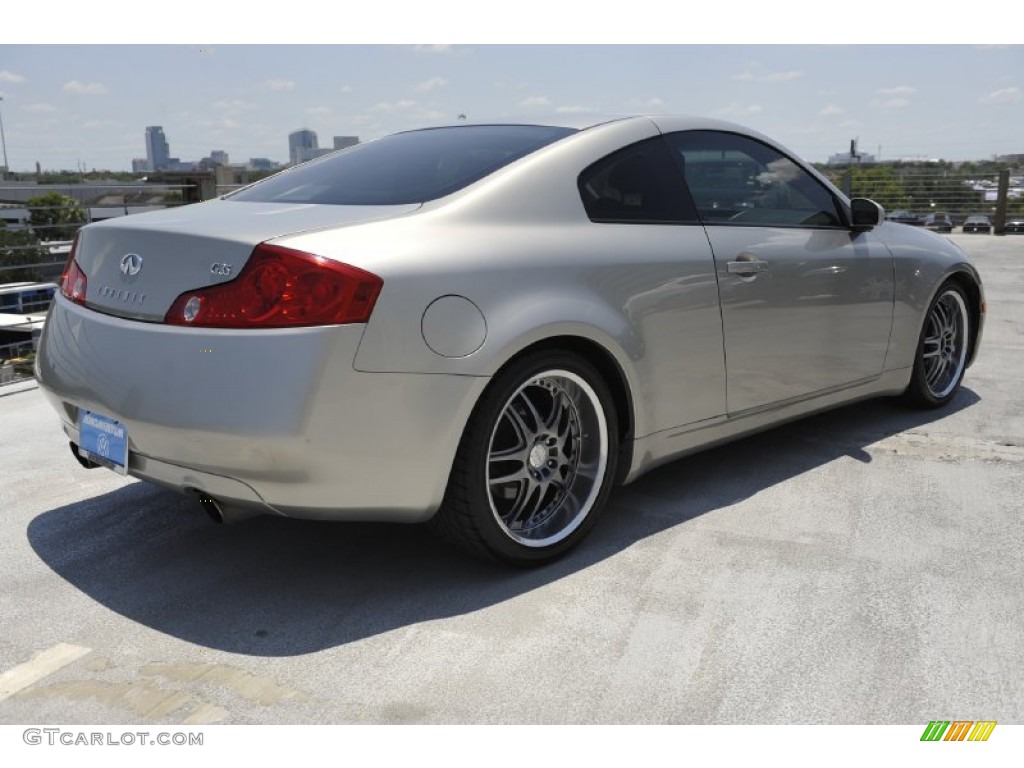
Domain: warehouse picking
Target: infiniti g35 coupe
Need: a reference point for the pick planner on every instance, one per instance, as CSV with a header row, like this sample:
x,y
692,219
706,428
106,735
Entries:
x,y
489,326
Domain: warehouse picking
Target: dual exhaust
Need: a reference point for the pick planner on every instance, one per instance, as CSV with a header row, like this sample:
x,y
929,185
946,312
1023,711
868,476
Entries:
x,y
220,513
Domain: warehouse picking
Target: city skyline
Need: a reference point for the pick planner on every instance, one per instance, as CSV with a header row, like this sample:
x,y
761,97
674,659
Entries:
x,y
66,109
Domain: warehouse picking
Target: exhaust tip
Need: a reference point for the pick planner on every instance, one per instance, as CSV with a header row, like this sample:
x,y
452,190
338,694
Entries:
x,y
224,514
81,459
212,509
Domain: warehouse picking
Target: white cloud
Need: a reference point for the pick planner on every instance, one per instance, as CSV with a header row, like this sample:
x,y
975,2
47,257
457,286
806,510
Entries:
x,y
318,111
739,110
1002,96
569,109
6,76
831,110
87,89
781,77
768,77
434,48
279,84
94,124
345,89
393,106
897,103
899,90
535,101
39,109
233,105
431,84
655,102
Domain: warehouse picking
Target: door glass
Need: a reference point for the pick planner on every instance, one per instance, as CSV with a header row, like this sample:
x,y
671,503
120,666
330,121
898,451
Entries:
x,y
736,180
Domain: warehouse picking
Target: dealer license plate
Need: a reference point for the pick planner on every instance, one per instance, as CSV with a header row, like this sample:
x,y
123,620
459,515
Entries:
x,y
103,440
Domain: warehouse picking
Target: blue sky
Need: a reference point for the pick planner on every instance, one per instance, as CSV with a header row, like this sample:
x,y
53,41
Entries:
x,y
66,104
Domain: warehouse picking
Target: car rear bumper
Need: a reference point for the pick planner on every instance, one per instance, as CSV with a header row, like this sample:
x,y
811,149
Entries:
x,y
273,420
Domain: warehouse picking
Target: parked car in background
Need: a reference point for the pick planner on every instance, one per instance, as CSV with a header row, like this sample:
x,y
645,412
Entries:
x,y
1014,224
938,222
904,217
978,224
489,326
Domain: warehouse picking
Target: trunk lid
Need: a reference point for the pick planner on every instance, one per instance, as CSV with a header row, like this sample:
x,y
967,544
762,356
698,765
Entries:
x,y
136,266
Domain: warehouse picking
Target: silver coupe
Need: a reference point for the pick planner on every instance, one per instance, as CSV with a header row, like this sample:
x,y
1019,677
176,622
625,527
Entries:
x,y
489,326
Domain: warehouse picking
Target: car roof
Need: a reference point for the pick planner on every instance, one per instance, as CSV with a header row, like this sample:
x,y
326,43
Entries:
x,y
581,121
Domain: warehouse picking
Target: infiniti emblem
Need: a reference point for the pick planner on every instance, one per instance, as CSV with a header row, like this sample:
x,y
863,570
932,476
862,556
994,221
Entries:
x,y
131,263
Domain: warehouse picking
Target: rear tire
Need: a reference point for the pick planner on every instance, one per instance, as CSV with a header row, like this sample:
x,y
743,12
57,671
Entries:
x,y
941,357
536,462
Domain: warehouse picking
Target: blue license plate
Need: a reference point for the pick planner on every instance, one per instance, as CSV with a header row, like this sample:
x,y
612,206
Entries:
x,y
103,440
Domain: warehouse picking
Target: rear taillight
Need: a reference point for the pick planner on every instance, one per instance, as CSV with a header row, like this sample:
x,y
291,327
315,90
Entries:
x,y
281,288
73,282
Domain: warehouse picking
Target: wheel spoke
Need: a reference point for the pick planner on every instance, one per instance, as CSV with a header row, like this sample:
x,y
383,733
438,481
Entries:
x,y
557,412
525,505
508,476
936,373
519,425
538,420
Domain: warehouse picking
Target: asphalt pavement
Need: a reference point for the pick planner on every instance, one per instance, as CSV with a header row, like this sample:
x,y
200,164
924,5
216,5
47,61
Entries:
x,y
862,566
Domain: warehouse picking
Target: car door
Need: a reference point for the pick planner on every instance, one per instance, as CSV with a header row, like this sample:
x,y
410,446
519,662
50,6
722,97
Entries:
x,y
655,265
806,301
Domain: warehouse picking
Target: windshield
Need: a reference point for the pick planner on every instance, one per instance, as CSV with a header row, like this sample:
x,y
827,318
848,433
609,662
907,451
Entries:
x,y
410,167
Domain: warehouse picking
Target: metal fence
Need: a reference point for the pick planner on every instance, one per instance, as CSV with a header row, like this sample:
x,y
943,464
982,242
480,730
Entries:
x,y
35,241
923,190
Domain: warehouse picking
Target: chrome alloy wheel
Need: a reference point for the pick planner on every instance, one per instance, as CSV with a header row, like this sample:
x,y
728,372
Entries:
x,y
547,457
945,344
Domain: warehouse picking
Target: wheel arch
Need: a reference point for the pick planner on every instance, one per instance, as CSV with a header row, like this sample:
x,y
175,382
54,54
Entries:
x,y
613,375
971,285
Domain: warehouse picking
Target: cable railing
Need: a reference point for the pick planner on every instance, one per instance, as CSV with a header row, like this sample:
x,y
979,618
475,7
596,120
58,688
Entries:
x,y
915,192
35,241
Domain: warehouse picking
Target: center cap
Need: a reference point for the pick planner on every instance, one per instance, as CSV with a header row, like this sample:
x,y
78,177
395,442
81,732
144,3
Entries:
x,y
538,456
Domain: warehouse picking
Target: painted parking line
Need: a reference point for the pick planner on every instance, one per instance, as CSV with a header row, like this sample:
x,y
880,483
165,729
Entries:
x,y
45,663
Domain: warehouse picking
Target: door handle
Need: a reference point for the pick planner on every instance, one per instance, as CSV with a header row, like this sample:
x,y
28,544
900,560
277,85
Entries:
x,y
746,268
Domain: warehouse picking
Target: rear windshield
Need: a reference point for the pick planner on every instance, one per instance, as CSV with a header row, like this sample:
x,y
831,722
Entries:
x,y
404,168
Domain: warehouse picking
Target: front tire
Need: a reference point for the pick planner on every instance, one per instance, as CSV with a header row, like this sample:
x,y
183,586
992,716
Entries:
x,y
536,462
941,357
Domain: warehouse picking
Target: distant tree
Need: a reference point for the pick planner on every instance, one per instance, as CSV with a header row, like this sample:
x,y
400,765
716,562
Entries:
x,y
880,184
19,249
55,216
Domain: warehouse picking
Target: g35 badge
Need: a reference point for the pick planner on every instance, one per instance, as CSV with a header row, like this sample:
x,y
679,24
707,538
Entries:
x,y
220,269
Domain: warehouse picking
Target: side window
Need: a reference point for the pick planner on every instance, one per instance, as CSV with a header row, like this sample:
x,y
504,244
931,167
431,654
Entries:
x,y
639,184
736,180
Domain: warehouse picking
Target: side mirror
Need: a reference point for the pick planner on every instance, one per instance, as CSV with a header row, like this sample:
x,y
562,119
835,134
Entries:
x,y
866,214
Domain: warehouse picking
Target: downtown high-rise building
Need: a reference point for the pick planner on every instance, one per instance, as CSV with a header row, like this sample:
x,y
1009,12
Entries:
x,y
158,151
302,146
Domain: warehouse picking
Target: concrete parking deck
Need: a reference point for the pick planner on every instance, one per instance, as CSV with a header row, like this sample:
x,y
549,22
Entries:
x,y
864,566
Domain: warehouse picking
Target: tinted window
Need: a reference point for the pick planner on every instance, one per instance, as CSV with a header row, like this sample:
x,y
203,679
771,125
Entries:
x,y
638,184
734,179
408,167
